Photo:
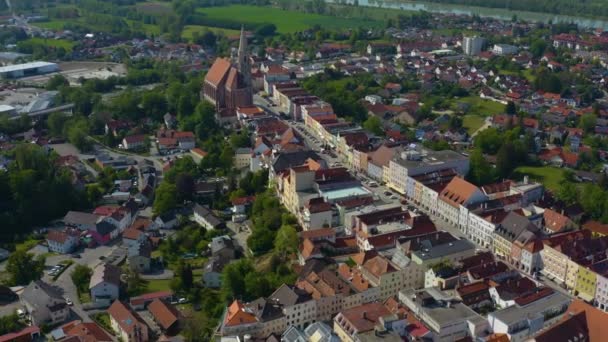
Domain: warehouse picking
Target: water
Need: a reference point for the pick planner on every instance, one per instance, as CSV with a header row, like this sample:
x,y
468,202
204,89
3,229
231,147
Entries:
x,y
496,13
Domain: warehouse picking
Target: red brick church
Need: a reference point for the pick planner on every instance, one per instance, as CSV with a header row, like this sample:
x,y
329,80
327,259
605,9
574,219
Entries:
x,y
228,85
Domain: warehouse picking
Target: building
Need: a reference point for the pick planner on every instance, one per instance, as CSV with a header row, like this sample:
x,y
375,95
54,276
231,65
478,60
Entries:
x,y
27,69
413,162
105,282
472,45
29,334
141,302
44,304
531,313
581,323
165,315
63,242
228,86
362,323
133,142
446,317
206,219
139,257
212,271
455,198
80,331
81,220
504,49
127,323
242,158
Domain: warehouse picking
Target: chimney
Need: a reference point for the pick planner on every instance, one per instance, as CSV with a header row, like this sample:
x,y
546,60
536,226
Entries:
x,y
364,315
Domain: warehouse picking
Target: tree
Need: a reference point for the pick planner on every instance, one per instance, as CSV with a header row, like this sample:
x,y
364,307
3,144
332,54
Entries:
x,y
81,276
56,82
374,124
588,122
511,109
135,285
480,172
184,183
207,39
568,192
184,272
23,267
233,280
266,30
537,48
505,160
10,323
286,242
166,198
56,123
154,104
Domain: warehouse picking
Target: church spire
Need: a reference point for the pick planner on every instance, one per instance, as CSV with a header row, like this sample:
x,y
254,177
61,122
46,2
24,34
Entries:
x,y
243,63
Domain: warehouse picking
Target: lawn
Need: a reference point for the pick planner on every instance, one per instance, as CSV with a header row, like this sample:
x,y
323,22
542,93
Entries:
x,y
481,107
286,21
57,43
550,177
154,8
158,285
472,122
103,319
27,245
52,25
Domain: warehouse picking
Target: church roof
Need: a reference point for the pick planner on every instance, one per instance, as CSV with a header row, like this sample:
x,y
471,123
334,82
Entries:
x,y
218,71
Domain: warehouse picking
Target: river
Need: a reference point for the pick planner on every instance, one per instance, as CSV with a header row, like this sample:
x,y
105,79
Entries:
x,y
497,13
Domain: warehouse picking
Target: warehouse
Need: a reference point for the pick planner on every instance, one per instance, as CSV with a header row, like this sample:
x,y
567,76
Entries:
x,y
27,69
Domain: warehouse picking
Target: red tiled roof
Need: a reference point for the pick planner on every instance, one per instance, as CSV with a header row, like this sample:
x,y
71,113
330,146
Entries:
x,y
57,236
596,227
534,296
150,296
458,191
86,331
166,315
237,315
218,71
131,233
555,221
126,319
363,318
20,335
199,152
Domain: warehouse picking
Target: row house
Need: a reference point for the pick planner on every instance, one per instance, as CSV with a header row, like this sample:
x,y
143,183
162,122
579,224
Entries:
x,y
454,200
510,229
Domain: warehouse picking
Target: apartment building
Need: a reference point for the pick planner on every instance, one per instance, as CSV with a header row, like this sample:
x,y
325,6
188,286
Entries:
x,y
455,198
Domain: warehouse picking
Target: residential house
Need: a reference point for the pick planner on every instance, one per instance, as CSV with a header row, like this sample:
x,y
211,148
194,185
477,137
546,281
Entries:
x,y
212,271
204,217
133,142
139,257
531,313
367,322
80,220
81,331
223,247
242,158
555,222
127,323
456,195
511,227
44,303
446,317
165,315
105,282
28,334
141,302
63,242
581,322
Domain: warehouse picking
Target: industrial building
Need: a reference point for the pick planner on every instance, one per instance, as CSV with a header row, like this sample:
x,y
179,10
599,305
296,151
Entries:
x,y
27,69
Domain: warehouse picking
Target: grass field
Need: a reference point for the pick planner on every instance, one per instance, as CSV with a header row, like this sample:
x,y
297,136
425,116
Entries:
x,y
66,44
158,285
550,177
481,107
189,29
286,21
154,8
472,122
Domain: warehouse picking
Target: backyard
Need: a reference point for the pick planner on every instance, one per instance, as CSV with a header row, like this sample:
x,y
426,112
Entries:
x,y
551,177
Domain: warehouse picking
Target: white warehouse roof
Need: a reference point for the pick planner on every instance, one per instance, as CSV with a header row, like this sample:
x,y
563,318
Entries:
x,y
25,66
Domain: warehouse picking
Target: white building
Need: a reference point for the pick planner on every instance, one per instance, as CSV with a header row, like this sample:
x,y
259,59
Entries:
x,y
62,242
472,45
105,282
529,315
504,49
456,195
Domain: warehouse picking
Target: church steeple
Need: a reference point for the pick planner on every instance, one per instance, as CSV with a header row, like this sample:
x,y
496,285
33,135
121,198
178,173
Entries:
x,y
243,63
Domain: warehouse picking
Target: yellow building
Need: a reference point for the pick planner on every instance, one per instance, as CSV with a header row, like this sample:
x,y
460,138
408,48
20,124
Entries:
x,y
585,284
571,274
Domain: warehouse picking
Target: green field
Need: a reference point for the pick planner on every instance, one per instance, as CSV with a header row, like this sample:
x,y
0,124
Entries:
x,y
286,21
472,122
189,29
481,107
158,285
550,177
57,43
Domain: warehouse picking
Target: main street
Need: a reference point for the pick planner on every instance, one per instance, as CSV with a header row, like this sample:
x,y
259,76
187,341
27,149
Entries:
x,y
381,192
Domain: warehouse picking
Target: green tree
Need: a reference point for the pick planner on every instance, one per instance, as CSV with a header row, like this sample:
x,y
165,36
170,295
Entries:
x,y
588,122
233,280
511,108
373,124
480,172
135,285
537,48
568,192
286,242
154,104
81,275
166,198
56,123
10,323
56,82
23,267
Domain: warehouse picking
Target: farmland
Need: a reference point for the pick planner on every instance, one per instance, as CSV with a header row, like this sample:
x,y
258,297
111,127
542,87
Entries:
x,y
285,21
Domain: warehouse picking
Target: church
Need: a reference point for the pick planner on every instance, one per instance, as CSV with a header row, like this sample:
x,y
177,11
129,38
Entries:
x,y
228,85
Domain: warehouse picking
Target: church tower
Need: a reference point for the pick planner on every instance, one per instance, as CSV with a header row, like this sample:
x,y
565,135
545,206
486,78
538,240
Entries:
x,y
243,62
